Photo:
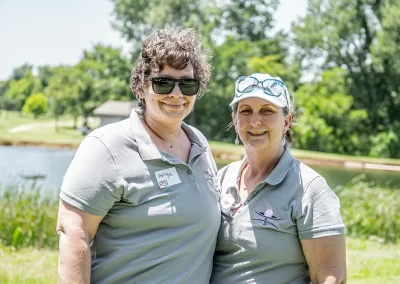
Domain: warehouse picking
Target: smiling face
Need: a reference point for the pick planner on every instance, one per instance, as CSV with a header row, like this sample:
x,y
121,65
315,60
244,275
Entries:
x,y
171,108
260,124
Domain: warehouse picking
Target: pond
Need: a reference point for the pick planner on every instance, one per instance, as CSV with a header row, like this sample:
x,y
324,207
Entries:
x,y
32,167
44,168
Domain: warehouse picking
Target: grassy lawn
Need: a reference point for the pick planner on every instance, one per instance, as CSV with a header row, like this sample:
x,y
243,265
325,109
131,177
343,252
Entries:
x,y
43,131
367,262
28,266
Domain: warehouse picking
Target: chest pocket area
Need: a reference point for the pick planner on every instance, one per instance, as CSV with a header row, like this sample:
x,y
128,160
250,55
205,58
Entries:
x,y
143,186
206,176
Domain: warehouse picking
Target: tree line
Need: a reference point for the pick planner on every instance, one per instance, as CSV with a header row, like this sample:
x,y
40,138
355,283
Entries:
x,y
341,61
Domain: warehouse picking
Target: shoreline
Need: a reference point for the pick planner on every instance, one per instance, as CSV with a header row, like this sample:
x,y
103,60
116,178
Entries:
x,y
225,157
39,144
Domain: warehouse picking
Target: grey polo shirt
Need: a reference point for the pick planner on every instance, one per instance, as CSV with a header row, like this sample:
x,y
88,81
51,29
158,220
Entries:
x,y
260,243
161,215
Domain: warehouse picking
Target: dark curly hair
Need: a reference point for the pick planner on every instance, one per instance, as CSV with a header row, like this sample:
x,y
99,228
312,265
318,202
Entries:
x,y
176,48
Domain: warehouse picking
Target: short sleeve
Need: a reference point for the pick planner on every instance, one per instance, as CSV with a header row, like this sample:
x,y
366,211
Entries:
x,y
318,214
91,181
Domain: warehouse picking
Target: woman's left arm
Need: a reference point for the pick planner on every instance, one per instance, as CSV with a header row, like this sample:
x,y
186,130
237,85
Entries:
x,y
326,258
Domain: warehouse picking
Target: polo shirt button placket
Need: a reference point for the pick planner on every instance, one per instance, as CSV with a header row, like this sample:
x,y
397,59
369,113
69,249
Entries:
x,y
190,174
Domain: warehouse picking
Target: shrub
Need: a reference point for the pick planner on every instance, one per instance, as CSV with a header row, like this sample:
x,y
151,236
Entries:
x,y
369,210
36,104
27,220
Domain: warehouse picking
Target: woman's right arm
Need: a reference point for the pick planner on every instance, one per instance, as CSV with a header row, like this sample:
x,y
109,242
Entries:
x,y
76,229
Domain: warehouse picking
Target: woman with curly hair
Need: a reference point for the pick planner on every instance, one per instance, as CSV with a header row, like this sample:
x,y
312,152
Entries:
x,y
138,203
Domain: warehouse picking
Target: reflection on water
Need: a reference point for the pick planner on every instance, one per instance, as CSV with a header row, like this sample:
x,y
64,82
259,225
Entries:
x,y
45,168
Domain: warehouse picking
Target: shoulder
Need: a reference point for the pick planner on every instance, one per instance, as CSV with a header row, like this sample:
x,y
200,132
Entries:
x,y
107,131
307,177
199,135
315,191
114,136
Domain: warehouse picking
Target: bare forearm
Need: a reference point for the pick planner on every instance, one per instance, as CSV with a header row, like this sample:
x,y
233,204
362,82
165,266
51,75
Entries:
x,y
74,260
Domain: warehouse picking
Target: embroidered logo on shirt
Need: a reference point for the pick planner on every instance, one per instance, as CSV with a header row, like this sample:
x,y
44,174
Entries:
x,y
267,216
208,174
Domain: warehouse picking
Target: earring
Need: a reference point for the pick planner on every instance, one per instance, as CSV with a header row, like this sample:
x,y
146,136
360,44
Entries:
x,y
237,139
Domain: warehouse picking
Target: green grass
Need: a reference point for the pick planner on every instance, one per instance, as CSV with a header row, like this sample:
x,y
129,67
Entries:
x,y
371,262
368,262
31,266
45,134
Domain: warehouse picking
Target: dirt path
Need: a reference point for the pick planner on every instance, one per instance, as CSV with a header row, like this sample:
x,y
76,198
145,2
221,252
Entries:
x,y
28,127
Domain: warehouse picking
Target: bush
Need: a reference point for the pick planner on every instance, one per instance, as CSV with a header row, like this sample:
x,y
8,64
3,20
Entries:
x,y
36,104
369,210
27,220
386,144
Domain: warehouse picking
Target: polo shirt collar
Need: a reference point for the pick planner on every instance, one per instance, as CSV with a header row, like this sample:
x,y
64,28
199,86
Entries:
x,y
278,173
281,169
146,147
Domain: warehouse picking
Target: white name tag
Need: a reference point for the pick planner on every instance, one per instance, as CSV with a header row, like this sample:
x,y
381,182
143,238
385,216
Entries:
x,y
167,177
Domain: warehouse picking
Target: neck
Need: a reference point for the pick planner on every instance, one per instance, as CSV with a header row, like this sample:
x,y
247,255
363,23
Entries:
x,y
162,130
261,163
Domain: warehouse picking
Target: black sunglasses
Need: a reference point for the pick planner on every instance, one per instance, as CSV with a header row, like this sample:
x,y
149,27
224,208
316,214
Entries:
x,y
164,86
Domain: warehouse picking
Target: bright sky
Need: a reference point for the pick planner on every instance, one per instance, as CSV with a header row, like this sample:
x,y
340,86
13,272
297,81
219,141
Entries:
x,y
53,32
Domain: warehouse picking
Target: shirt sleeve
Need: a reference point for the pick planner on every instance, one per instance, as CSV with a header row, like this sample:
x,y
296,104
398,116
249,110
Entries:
x,y
318,213
91,181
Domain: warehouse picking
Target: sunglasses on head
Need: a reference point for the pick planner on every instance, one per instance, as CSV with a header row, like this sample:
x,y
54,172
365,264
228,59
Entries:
x,y
164,86
270,86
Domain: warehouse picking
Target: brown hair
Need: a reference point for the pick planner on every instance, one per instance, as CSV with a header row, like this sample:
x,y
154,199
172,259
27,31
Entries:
x,y
289,132
177,48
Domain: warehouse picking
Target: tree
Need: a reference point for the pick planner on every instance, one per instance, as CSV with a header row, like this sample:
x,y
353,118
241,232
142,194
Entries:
x,y
116,71
361,37
19,90
44,74
136,19
61,91
243,19
79,89
3,103
20,72
326,120
36,104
